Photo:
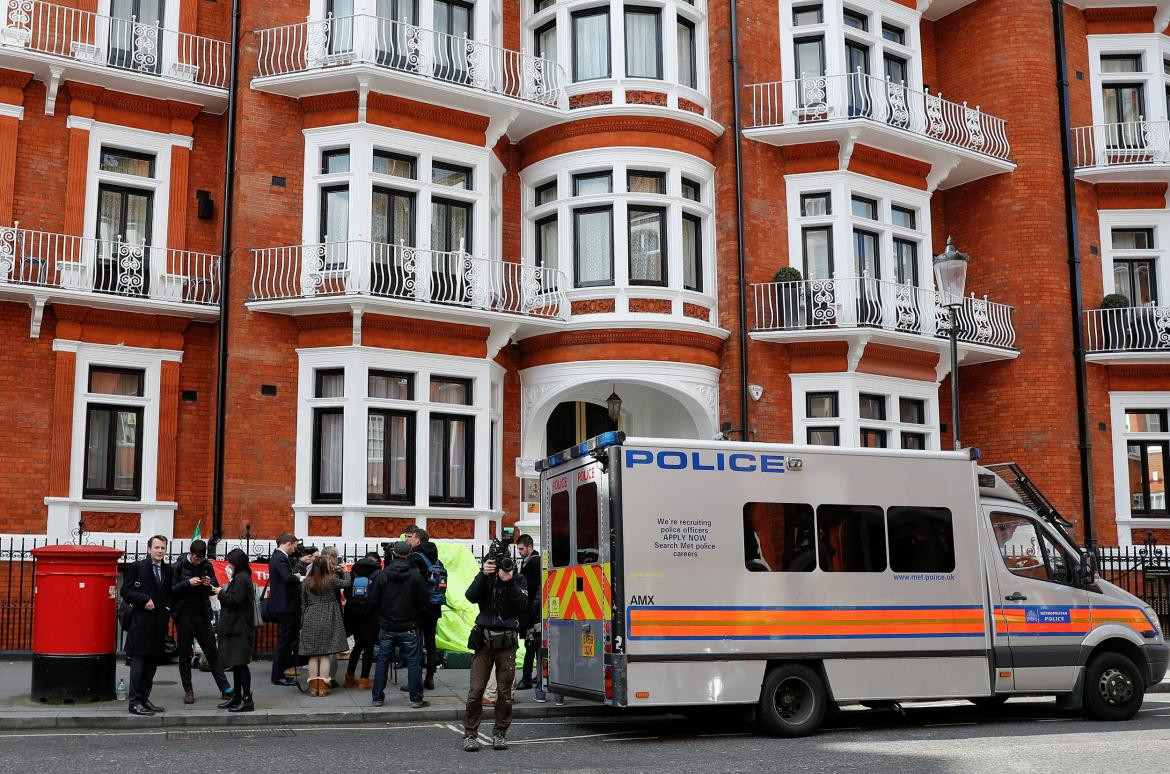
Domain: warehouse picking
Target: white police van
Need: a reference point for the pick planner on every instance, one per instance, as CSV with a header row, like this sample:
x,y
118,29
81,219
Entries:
x,y
684,573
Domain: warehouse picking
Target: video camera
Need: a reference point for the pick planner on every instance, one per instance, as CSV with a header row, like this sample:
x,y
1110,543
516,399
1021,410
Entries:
x,y
499,553
303,550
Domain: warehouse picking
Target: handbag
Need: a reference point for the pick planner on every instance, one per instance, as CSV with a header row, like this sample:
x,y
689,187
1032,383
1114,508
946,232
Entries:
x,y
125,610
265,615
257,608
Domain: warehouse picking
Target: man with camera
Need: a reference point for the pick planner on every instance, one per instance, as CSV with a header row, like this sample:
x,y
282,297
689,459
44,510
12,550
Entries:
x,y
503,601
194,585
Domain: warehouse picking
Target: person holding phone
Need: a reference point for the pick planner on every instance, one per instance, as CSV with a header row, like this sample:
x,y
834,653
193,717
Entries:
x,y
191,591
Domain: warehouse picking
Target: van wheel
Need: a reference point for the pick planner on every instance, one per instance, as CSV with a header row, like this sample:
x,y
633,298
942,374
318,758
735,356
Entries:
x,y
793,701
1114,688
988,702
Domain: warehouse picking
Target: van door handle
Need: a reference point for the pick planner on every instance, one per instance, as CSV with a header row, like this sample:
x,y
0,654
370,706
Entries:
x,y
1015,597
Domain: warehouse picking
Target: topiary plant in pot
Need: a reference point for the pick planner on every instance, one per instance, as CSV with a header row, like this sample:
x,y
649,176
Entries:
x,y
789,293
1115,327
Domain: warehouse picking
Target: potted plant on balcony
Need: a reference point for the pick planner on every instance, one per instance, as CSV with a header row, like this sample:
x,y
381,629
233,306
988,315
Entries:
x,y
789,294
1115,327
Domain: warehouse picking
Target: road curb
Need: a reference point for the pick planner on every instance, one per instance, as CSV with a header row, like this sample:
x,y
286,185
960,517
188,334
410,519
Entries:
x,y
292,717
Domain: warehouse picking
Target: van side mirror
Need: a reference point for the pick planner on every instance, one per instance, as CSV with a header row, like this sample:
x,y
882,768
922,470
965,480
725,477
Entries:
x,y
1087,571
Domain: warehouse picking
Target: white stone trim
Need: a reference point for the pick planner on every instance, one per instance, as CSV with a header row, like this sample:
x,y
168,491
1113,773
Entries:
x,y
362,139
1118,403
13,111
1152,47
357,361
848,387
842,185
1159,221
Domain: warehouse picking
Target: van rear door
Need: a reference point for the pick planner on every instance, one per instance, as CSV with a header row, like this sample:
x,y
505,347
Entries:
x,y
1040,615
576,604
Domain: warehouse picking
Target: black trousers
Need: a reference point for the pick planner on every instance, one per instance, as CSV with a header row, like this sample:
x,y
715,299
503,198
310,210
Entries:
x,y
243,677
428,624
531,647
363,648
288,626
142,670
193,627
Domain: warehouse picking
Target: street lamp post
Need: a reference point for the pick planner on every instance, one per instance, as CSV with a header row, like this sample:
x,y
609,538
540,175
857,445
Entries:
x,y
950,277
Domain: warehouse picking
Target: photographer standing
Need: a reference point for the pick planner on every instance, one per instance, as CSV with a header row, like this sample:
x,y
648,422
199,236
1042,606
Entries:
x,y
503,601
191,607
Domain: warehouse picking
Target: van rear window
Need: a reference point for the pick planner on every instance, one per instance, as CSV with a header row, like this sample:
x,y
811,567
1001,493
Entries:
x,y
778,537
587,524
851,538
921,539
559,519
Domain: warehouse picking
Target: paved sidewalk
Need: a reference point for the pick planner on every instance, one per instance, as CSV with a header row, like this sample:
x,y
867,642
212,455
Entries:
x,y
275,705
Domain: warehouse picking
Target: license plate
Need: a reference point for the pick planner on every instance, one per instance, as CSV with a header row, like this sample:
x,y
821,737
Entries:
x,y
588,645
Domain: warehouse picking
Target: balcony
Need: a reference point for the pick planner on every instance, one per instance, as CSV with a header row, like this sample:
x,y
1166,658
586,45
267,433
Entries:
x,y
1136,334
57,43
1136,151
339,54
40,268
960,143
407,281
860,310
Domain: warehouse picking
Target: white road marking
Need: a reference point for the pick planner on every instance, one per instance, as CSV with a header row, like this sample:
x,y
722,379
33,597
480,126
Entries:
x,y
633,739
949,725
732,733
574,736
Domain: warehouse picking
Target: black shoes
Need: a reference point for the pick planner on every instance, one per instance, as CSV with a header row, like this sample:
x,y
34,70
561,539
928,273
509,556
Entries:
x,y
524,685
227,705
243,706
284,681
152,706
141,709
429,684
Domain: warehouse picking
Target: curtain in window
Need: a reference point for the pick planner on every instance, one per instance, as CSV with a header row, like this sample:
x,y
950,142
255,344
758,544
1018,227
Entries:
x,y
646,255
457,456
594,238
546,42
590,46
330,443
643,46
341,31
375,454
97,449
399,452
547,247
692,252
686,54
450,391
125,450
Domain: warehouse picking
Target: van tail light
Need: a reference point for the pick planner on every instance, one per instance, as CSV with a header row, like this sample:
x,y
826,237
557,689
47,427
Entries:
x,y
544,668
607,647
608,683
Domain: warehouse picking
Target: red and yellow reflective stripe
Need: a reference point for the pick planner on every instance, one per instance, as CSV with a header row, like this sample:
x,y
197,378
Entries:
x,y
804,623
577,593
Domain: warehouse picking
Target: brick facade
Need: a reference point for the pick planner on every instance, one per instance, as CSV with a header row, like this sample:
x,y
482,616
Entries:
x,y
1018,402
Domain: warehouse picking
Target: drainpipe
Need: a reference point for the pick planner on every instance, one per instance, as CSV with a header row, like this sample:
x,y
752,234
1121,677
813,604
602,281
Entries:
x,y
1077,305
225,273
739,237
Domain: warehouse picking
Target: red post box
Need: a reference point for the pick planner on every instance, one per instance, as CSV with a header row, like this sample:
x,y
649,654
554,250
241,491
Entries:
x,y
74,618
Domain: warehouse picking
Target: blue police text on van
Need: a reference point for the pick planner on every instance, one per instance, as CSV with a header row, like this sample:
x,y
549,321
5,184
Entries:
x,y
737,462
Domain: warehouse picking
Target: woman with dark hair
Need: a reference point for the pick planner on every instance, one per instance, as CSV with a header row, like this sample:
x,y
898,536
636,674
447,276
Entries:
x,y
237,624
322,628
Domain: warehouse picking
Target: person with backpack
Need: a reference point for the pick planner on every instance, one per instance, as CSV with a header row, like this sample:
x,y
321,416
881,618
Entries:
x,y
238,620
424,555
360,621
399,596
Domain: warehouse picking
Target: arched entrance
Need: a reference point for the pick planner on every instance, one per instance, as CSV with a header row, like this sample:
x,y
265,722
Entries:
x,y
573,422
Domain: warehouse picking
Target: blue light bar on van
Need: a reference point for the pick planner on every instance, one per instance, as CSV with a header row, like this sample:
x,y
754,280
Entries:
x,y
605,440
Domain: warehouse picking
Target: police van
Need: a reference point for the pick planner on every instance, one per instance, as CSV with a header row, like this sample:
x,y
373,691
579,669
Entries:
x,y
684,573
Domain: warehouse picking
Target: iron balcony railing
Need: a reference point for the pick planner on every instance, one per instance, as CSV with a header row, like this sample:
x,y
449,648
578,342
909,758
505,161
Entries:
x,y
112,267
1129,329
124,44
394,45
1113,145
861,302
859,96
407,273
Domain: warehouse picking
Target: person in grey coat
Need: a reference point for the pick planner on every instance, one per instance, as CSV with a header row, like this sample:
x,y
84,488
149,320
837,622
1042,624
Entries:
x,y
322,627
237,624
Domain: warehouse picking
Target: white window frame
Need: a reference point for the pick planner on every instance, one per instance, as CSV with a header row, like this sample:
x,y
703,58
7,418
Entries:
x,y
670,11
834,33
168,41
1153,49
619,162
1159,221
362,140
848,387
357,362
842,186
1118,403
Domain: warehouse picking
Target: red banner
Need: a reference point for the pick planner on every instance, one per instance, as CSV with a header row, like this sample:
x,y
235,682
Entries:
x,y
259,572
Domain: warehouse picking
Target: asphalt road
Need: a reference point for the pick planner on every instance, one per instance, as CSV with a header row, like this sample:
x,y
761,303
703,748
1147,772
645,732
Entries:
x,y
1022,736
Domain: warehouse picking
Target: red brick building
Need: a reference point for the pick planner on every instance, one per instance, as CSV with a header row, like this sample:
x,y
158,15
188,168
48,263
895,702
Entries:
x,y
457,228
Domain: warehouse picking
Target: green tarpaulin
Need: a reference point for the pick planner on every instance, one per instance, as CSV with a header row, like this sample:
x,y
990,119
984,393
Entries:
x,y
459,614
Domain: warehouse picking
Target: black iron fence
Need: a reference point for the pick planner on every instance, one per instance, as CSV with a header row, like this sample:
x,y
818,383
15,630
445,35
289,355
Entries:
x,y
1142,570
18,568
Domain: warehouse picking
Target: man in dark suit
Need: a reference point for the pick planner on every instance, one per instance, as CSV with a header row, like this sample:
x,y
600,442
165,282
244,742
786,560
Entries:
x,y
284,602
530,623
147,587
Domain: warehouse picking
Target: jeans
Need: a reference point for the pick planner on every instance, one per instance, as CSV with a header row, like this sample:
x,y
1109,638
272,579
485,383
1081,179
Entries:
x,y
482,663
408,641
194,627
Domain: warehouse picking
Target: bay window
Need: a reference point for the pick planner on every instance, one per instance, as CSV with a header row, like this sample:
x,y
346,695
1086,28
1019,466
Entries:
x,y
593,246
451,442
389,457
647,245
859,410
